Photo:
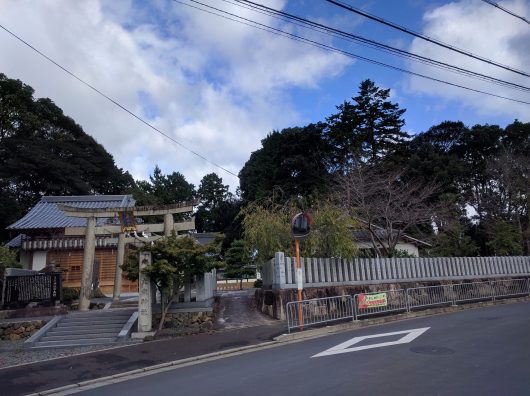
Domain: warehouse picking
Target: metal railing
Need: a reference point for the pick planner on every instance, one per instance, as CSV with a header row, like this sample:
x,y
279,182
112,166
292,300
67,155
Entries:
x,y
318,310
329,309
429,296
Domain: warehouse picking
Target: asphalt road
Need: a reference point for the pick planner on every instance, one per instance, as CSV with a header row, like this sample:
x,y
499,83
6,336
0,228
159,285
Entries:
x,y
475,352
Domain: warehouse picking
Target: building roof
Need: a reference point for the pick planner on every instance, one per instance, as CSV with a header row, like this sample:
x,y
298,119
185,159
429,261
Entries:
x,y
46,214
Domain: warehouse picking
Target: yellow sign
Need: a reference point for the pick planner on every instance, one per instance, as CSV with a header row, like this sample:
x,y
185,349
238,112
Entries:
x,y
365,301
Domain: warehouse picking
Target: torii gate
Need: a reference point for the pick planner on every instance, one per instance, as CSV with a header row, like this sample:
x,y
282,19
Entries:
x,y
90,232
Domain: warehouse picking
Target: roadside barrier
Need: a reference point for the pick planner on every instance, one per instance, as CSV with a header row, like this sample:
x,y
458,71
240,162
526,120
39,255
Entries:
x,y
318,311
330,309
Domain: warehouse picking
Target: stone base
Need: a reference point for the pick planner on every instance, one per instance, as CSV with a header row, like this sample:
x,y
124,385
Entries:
x,y
143,335
187,322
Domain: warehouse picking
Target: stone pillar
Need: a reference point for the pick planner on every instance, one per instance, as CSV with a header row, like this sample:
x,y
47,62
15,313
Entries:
x,y
168,224
202,281
278,273
145,312
119,262
88,264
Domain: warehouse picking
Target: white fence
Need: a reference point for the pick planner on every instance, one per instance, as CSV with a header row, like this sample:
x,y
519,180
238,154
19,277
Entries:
x,y
280,272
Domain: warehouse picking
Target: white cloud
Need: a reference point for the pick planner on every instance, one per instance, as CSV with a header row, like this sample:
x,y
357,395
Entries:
x,y
217,86
486,31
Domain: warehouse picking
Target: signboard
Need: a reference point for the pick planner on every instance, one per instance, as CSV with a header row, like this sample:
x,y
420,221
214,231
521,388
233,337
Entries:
x,y
127,222
301,225
365,301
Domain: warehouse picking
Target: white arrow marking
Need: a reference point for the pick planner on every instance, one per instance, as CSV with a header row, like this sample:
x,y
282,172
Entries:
x,y
345,346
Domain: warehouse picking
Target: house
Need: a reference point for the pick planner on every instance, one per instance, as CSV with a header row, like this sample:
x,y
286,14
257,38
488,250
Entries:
x,y
53,233
47,236
406,244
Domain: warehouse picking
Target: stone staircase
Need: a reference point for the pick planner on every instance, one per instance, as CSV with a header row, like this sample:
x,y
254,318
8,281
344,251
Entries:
x,y
87,328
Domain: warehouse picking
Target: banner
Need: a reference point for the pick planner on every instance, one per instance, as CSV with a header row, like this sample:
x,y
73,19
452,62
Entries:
x,y
365,301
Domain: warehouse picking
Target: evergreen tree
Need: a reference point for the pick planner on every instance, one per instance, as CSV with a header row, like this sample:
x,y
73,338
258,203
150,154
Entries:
x,y
366,129
238,261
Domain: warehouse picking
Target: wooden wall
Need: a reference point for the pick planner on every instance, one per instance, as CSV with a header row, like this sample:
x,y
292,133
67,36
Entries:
x,y
71,263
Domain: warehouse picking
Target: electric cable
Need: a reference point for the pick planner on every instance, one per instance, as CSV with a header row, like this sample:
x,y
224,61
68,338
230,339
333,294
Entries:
x,y
315,26
280,32
492,3
115,102
426,38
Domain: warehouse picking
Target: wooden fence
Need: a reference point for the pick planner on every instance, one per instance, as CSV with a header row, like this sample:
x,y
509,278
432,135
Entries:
x,y
280,272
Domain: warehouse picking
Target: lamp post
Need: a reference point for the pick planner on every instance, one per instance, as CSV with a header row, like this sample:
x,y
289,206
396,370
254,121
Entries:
x,y
300,226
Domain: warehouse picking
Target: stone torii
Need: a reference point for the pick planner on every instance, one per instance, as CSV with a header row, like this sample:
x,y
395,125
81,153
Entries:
x,y
91,230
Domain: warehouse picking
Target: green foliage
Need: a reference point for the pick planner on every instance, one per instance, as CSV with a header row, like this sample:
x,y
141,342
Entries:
x,y
70,294
505,240
238,259
218,207
367,129
295,159
258,283
44,152
454,242
8,259
267,230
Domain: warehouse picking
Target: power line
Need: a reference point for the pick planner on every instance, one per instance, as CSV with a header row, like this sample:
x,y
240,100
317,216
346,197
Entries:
x,y
270,29
426,38
506,11
318,27
115,102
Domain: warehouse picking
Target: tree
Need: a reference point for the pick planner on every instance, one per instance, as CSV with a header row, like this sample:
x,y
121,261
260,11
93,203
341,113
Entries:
x,y
367,129
171,188
267,229
44,152
218,207
175,260
238,259
295,159
387,206
8,259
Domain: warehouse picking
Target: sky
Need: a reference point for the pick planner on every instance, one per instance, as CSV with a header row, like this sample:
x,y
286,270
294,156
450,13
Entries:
x,y
218,87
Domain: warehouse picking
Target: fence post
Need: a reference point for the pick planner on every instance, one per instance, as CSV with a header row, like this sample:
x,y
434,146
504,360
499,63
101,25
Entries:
x,y
407,300
453,295
352,302
492,285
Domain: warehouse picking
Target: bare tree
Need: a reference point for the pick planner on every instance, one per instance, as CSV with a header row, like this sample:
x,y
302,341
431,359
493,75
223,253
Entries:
x,y
386,205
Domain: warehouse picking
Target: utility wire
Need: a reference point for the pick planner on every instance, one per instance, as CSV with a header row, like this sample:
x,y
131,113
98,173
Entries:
x,y
506,10
318,27
115,102
426,38
283,33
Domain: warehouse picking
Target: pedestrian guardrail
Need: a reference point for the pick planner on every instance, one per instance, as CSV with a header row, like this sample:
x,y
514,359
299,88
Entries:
x,y
323,310
318,310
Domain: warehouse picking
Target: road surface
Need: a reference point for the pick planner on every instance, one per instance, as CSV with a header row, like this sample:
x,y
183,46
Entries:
x,y
475,352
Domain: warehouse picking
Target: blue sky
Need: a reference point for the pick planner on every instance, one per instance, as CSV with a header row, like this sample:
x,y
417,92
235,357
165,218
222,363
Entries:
x,y
218,87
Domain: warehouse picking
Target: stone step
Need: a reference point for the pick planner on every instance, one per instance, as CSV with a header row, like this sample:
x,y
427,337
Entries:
x,y
57,344
121,314
75,336
85,323
83,330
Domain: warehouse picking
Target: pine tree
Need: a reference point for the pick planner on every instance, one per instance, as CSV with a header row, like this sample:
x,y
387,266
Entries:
x,y
366,129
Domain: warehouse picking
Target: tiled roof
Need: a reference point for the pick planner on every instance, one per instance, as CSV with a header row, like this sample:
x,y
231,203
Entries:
x,y
46,214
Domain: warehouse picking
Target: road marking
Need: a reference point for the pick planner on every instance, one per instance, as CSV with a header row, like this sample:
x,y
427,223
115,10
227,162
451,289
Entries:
x,y
410,335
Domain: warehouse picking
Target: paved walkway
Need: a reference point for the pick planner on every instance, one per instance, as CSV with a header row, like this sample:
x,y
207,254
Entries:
x,y
51,374
237,310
